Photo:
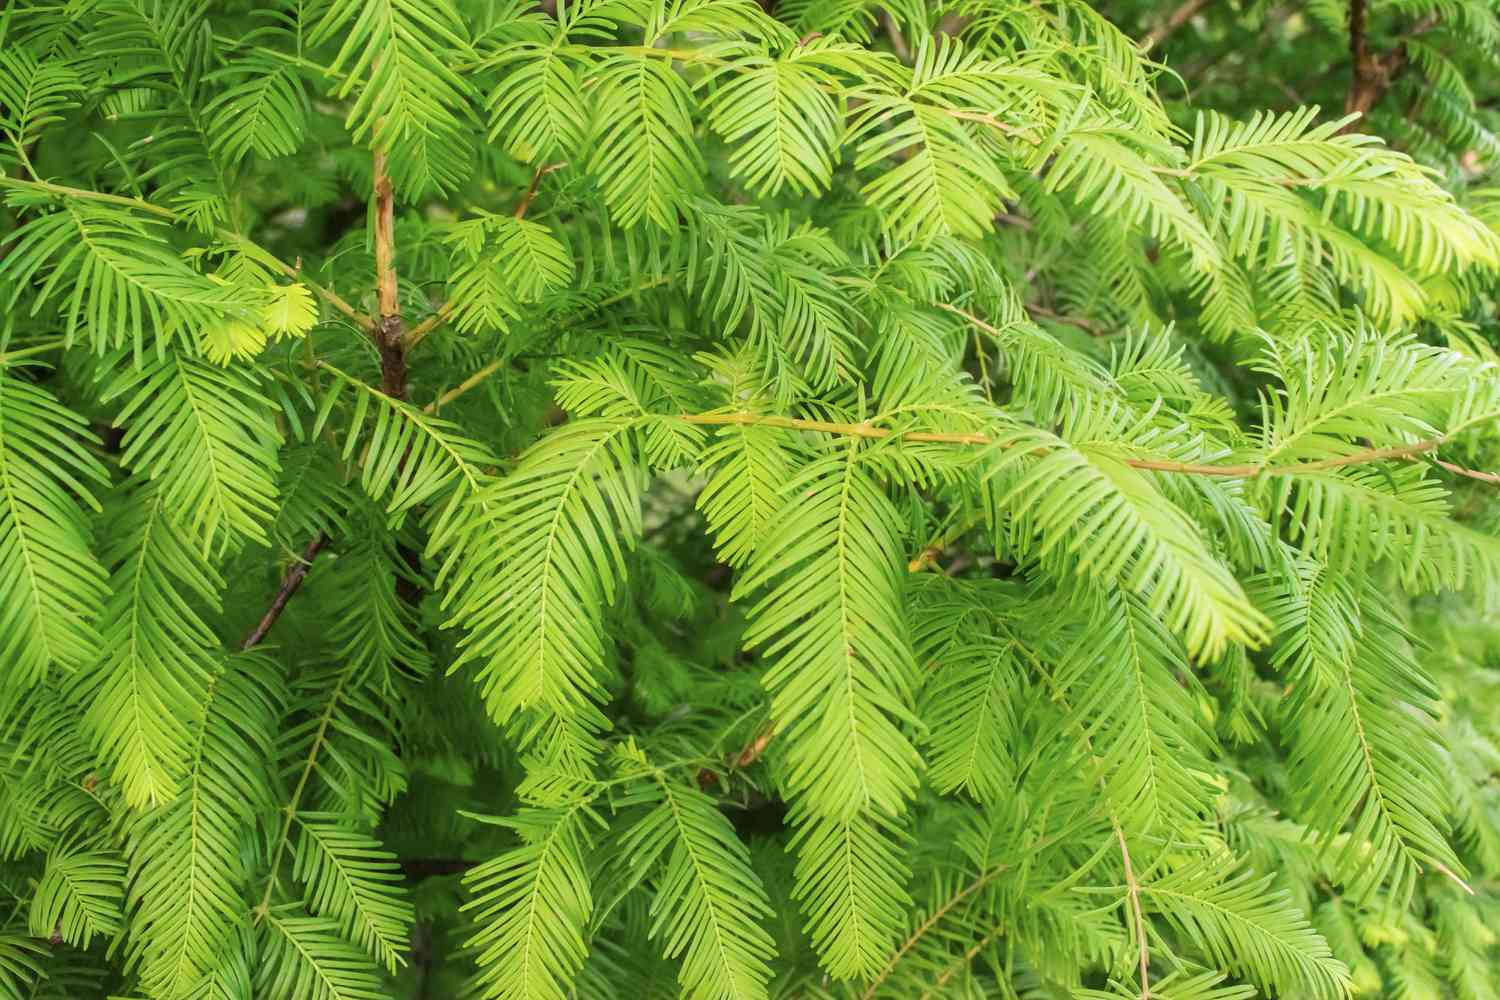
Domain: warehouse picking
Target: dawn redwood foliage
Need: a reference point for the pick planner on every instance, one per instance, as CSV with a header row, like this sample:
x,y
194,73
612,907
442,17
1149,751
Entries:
x,y
826,499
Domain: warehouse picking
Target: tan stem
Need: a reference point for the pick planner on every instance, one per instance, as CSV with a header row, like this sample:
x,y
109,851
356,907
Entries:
x,y
1240,471
1133,892
536,180
1459,470
464,386
962,962
1087,326
390,334
385,240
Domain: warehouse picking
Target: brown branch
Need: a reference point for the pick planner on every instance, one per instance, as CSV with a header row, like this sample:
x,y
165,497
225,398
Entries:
x,y
1360,457
750,754
390,340
893,32
1372,74
536,179
389,334
290,583
1180,16
1359,56
392,358
1087,326
385,241
1459,470
985,118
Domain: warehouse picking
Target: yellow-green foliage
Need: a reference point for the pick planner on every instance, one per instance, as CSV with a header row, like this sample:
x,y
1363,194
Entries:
x,y
819,499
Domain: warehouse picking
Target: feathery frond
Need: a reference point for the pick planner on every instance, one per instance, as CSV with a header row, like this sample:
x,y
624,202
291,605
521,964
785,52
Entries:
x,y
396,59
530,584
187,867
1358,691
55,585
305,957
207,438
79,896
828,610
148,686
708,900
112,276
532,905
351,878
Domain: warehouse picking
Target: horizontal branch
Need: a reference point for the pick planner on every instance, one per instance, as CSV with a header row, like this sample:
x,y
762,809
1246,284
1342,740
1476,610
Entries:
x,y
1239,471
1192,172
1459,470
864,430
984,118
1042,312
64,191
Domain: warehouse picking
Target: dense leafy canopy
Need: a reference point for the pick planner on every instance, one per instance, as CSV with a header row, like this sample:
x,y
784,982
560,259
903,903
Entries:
x,y
734,500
